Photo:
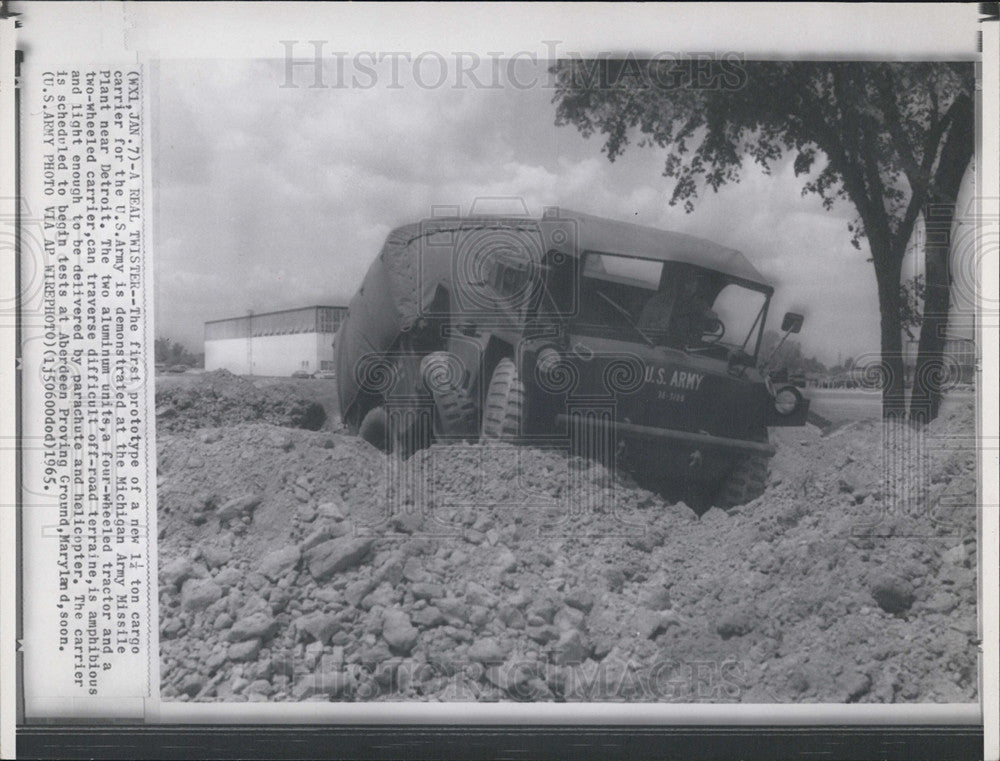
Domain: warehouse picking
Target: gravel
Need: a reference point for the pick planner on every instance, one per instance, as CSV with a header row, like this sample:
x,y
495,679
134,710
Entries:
x,y
489,572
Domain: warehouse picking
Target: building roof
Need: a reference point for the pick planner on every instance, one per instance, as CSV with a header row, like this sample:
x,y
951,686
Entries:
x,y
277,311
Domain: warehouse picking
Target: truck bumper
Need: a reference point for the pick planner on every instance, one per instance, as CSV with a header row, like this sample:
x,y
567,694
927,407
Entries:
x,y
684,438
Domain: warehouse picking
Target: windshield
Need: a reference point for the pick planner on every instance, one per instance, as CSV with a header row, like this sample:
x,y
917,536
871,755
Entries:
x,y
668,304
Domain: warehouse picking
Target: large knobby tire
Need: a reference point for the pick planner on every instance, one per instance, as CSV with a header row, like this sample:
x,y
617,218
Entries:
x,y
374,428
455,415
412,435
504,404
745,482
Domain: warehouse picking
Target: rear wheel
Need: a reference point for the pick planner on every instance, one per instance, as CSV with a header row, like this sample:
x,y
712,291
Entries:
x,y
454,415
745,482
504,403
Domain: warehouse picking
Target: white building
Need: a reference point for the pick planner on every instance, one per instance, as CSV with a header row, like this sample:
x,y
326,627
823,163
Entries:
x,y
274,343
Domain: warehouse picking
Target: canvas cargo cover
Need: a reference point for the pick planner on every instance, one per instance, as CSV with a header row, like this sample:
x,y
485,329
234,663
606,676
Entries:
x,y
402,282
418,258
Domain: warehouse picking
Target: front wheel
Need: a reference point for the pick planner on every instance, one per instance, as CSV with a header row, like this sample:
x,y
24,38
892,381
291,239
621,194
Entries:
x,y
745,482
504,404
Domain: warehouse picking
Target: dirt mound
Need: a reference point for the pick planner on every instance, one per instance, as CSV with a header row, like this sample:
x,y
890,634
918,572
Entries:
x,y
220,398
309,566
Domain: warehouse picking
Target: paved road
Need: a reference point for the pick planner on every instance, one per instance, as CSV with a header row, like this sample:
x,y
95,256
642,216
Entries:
x,y
843,404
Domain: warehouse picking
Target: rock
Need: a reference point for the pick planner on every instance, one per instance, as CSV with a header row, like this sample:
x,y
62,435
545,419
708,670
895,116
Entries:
x,y
542,634
332,510
222,621
506,562
477,594
428,617
426,591
714,515
570,648
568,618
177,571
581,599
170,628
358,590
512,617
453,609
511,676
228,577
256,626
487,650
956,555
647,542
216,556
280,441
209,435
479,616
798,682
276,564
941,602
334,685
615,579
324,532
198,594
657,598
736,623
337,555
398,632
191,685
238,507
257,581
407,523
319,626
646,623
259,687
306,513
857,685
413,570
893,594
244,651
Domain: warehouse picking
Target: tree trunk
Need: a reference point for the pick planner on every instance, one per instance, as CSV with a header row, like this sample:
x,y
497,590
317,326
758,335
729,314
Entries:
x,y
888,269
931,370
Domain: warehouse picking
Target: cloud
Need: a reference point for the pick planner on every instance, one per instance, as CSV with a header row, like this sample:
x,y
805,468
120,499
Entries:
x,y
270,198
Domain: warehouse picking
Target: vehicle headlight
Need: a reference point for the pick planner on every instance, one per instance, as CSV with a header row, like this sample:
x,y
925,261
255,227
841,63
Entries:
x,y
787,400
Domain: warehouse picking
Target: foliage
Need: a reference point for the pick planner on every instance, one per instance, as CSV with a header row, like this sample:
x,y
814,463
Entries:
x,y
911,298
870,133
169,352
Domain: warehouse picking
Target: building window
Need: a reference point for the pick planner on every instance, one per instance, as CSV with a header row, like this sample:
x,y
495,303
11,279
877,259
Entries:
x,y
326,364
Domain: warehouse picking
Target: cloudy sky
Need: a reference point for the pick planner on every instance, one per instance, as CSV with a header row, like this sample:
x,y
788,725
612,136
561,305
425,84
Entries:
x,y
269,197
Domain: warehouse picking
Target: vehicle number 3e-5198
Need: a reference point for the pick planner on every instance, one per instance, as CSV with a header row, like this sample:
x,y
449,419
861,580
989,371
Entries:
x,y
669,396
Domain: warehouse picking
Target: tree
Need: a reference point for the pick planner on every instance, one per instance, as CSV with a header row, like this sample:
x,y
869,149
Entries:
x,y
911,304
878,126
161,349
956,155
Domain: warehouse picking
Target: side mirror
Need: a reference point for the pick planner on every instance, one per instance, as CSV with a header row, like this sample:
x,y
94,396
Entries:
x,y
792,323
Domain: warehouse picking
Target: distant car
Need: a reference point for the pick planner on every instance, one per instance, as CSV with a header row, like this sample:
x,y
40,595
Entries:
x,y
177,369
325,374
302,374
160,367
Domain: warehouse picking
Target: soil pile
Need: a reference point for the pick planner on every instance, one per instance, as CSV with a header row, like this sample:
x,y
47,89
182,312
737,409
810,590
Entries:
x,y
298,565
220,398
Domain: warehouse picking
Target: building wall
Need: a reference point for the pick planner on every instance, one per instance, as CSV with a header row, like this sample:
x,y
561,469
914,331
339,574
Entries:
x,y
270,355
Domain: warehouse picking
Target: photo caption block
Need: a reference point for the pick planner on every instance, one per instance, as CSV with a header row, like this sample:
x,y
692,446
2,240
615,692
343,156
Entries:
x,y
89,573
